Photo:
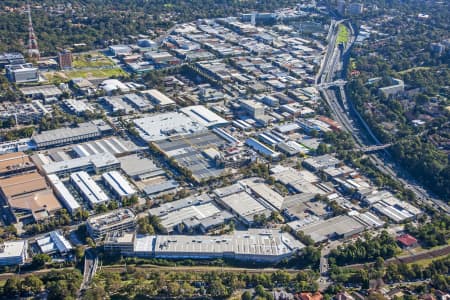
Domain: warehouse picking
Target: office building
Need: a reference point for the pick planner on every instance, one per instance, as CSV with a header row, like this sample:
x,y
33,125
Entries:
x,y
252,108
13,253
54,243
118,220
22,73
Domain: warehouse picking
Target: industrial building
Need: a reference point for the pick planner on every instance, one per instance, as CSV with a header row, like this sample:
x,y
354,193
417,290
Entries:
x,y
243,206
96,163
13,252
11,58
190,214
43,92
165,187
54,243
63,194
262,149
322,230
191,153
118,220
158,99
262,191
259,245
28,195
319,163
204,116
88,189
139,168
63,136
15,146
15,163
162,126
22,73
114,145
138,102
118,184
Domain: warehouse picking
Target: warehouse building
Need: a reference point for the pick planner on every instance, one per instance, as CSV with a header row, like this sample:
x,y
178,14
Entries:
x,y
118,220
263,192
244,206
13,253
190,214
158,99
96,163
138,102
162,126
63,194
118,184
165,187
41,92
63,136
319,163
334,228
89,190
140,168
193,152
204,116
258,245
114,145
28,195
15,163
262,149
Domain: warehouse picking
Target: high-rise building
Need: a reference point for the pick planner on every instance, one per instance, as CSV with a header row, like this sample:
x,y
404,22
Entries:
x,y
65,59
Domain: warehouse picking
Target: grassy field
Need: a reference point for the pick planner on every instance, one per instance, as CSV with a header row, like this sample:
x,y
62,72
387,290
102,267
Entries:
x,y
413,69
91,60
342,34
426,262
65,76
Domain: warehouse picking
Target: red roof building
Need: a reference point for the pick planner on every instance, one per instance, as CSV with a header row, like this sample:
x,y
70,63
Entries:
x,y
310,296
407,241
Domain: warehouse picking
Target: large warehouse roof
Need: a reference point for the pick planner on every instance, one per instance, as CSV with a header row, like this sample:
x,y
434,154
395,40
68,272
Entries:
x,y
203,116
162,126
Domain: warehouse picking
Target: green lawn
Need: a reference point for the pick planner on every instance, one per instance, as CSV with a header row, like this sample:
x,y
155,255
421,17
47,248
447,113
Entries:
x,y
65,76
91,60
342,34
426,262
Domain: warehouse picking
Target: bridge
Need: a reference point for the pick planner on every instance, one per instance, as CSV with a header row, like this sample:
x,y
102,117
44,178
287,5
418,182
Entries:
x,y
339,83
375,148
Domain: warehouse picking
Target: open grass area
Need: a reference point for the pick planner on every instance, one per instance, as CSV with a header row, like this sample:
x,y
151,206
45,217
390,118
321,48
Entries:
x,y
65,76
427,261
342,34
91,60
413,69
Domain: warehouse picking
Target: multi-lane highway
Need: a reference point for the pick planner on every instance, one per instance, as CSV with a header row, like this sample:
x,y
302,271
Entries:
x,y
331,75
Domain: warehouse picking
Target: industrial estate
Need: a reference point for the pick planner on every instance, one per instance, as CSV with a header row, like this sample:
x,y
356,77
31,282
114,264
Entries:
x,y
223,139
